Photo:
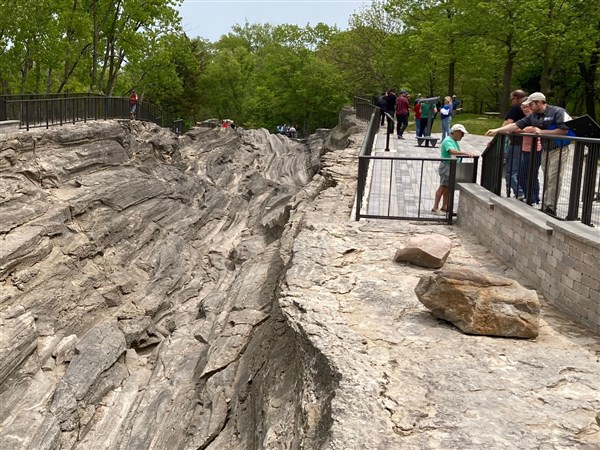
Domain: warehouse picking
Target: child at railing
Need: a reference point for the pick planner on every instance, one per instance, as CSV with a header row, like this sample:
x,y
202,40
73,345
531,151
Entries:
x,y
526,147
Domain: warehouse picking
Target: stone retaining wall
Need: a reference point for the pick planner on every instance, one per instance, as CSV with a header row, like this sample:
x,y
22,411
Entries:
x,y
560,259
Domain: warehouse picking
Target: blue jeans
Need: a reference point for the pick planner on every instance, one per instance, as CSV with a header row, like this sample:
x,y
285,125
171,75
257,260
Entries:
x,y
446,127
524,174
512,159
417,126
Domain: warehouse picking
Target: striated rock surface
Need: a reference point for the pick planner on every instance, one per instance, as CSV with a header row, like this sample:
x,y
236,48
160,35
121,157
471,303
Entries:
x,y
426,251
210,292
481,304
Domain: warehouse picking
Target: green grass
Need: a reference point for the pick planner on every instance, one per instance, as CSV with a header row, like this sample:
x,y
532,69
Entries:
x,y
474,123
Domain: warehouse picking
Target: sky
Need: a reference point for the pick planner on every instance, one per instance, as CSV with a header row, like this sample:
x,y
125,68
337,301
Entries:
x,y
210,19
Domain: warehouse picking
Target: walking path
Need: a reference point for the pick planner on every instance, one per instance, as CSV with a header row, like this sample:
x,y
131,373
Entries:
x,y
406,188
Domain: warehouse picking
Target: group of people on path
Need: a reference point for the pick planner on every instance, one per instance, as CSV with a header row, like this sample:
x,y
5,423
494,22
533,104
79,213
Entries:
x,y
528,114
289,130
399,106
532,114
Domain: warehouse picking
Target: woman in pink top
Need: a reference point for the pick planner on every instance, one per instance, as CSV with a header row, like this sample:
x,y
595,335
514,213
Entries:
x,y
526,157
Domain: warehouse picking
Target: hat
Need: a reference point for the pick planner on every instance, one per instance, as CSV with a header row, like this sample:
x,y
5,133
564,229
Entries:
x,y
404,91
535,97
458,127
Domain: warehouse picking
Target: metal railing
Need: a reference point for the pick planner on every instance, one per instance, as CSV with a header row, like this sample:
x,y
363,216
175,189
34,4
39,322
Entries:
x,y
568,185
364,108
34,111
401,186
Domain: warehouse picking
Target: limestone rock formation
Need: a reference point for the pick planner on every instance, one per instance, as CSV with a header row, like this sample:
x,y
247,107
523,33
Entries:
x,y
138,282
429,250
481,304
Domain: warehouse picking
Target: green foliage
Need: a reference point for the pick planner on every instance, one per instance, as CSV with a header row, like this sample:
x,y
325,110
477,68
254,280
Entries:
x,y
262,75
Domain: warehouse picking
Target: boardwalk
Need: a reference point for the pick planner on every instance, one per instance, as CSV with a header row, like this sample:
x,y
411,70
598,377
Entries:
x,y
395,186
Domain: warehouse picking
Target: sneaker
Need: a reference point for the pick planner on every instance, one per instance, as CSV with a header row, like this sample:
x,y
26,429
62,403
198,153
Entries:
x,y
521,197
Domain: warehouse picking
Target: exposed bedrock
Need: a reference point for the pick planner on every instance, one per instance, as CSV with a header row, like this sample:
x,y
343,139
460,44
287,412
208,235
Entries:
x,y
139,282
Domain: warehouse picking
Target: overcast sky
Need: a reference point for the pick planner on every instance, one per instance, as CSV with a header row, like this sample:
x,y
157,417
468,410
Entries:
x,y
211,19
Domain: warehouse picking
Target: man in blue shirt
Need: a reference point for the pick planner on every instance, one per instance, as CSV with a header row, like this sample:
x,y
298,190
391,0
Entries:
x,y
547,120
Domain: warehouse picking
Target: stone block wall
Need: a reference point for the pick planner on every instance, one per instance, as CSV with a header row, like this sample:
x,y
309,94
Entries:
x,y
560,259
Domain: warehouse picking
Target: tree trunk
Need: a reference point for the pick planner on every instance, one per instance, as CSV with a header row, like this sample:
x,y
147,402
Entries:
x,y
507,82
451,76
588,74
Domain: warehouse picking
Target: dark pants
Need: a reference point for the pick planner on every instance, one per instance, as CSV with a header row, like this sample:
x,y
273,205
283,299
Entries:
x,y
382,112
423,130
402,123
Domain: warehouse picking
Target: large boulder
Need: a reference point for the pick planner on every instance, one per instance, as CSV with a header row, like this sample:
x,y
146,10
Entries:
x,y
429,251
481,304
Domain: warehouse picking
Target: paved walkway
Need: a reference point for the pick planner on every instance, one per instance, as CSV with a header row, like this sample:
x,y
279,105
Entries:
x,y
404,188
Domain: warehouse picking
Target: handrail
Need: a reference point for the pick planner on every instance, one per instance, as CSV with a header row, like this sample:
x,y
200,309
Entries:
x,y
569,165
46,112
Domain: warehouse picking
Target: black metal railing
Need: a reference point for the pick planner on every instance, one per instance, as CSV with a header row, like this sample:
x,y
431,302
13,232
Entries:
x,y
403,188
364,108
568,185
35,111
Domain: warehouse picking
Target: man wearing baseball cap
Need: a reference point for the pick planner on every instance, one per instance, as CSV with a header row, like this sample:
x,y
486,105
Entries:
x,y
547,120
449,149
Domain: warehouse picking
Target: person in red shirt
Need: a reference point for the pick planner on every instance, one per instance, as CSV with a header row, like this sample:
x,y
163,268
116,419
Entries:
x,y
133,99
417,110
402,109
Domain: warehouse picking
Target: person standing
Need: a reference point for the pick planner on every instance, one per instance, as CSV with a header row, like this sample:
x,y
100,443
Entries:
x,y
133,100
402,108
446,116
426,109
381,104
550,120
512,146
526,157
417,111
455,105
390,109
449,149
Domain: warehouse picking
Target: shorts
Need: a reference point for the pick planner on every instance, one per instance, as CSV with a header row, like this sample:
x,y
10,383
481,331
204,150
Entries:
x,y
444,171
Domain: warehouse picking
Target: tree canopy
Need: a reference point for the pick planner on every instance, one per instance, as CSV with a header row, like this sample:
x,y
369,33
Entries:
x,y
262,75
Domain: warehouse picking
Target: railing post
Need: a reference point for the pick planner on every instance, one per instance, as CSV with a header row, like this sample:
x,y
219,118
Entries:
x,y
451,190
27,115
390,130
576,176
360,186
590,180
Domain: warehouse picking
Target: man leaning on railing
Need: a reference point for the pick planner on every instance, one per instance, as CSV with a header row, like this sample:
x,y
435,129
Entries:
x,y
547,120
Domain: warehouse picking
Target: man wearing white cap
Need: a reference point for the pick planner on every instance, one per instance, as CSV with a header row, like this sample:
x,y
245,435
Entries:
x,y
449,149
546,120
